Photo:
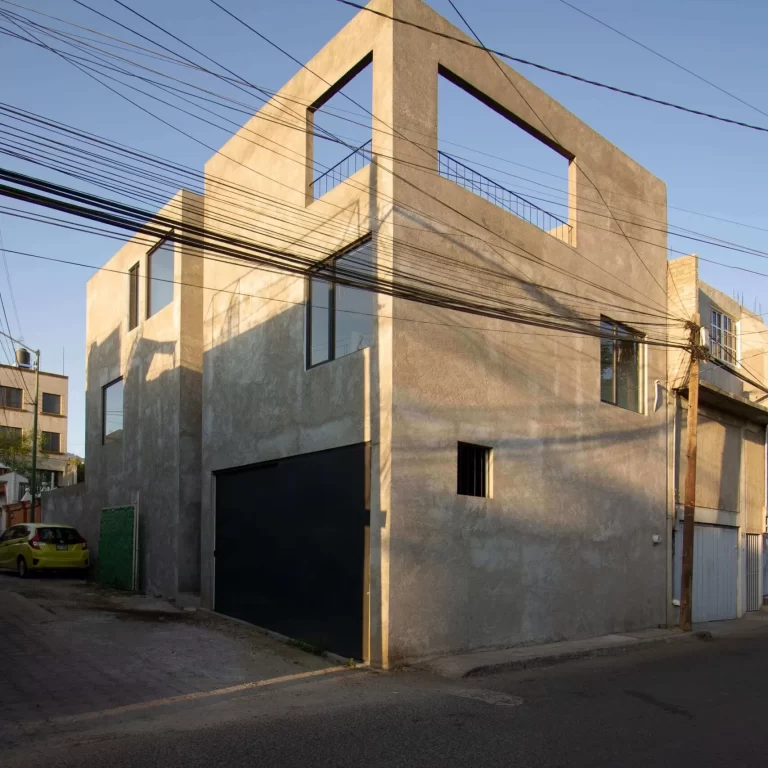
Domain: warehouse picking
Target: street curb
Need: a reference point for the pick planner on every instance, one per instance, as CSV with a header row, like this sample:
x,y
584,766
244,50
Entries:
x,y
289,641
550,660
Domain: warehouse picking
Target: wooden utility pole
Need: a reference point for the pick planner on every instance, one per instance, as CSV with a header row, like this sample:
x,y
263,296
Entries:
x,y
686,587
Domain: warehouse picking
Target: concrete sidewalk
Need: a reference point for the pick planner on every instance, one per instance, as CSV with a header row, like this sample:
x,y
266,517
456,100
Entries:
x,y
523,657
70,649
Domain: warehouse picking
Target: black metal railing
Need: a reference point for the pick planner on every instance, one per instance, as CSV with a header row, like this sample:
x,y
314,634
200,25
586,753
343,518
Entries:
x,y
345,168
451,169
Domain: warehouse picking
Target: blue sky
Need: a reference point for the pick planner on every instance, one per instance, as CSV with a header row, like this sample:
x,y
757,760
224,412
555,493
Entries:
x,y
708,167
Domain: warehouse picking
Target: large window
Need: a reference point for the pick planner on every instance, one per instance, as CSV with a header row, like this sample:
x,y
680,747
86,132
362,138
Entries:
x,y
340,317
133,297
112,418
51,442
51,404
159,277
10,397
620,366
722,342
473,470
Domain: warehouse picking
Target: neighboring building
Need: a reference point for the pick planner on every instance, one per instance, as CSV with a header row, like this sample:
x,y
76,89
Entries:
x,y
731,460
13,486
17,393
387,479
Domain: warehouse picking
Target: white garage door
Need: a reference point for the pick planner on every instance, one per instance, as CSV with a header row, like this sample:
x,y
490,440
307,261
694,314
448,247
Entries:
x,y
715,573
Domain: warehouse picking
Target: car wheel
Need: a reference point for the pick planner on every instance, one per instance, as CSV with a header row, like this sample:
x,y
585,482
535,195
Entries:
x,y
21,568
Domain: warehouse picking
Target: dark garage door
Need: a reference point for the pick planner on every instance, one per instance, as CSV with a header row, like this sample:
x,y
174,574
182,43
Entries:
x,y
290,539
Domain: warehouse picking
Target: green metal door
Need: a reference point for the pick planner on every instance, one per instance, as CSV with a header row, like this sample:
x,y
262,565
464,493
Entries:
x,y
118,547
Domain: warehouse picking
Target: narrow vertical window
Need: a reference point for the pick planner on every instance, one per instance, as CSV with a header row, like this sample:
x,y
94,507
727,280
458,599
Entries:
x,y
340,315
112,416
620,366
319,321
722,343
159,277
133,297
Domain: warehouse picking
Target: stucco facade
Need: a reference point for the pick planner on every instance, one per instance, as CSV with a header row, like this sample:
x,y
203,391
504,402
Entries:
x,y
733,418
23,380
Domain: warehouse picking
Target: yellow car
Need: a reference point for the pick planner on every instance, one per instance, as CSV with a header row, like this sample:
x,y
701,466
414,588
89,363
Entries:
x,y
43,546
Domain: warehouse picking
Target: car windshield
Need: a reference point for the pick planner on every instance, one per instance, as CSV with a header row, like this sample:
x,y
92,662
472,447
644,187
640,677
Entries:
x,y
58,535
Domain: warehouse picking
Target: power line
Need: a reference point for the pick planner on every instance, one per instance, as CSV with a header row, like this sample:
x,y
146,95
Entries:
x,y
549,130
460,213
414,186
10,288
673,250
665,58
557,71
644,340
127,217
326,108
669,231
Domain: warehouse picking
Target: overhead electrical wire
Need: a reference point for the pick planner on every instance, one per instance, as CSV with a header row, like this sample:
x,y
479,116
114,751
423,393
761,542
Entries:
x,y
249,168
176,38
133,219
665,58
684,233
282,203
333,111
553,71
240,293
574,161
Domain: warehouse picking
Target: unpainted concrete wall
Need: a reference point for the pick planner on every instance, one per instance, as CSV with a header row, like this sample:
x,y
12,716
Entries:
x,y
156,463
564,546
259,400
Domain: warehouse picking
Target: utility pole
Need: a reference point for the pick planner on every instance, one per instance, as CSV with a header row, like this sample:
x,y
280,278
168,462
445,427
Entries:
x,y
686,587
33,479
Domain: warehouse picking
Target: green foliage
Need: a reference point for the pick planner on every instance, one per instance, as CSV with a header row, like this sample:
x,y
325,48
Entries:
x,y
16,451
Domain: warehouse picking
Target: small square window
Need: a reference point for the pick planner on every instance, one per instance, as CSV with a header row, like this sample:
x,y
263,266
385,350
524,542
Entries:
x,y
51,403
51,442
473,477
10,397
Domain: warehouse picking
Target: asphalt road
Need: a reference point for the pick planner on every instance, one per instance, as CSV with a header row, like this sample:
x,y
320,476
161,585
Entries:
x,y
699,703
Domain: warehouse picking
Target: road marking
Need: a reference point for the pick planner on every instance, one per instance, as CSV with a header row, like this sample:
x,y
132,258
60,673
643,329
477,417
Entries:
x,y
488,697
139,706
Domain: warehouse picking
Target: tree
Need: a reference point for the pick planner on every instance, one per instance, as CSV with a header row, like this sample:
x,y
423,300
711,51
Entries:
x,y
16,450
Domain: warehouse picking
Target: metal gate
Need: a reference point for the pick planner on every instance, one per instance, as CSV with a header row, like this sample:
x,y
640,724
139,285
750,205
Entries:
x,y
290,546
753,571
715,573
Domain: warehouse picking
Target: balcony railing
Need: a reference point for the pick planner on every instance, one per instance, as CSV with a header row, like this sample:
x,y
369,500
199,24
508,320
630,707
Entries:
x,y
345,168
451,169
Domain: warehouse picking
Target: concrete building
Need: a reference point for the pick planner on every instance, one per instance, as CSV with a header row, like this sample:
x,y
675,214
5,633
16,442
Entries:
x,y
387,479
143,378
559,542
730,510
17,392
